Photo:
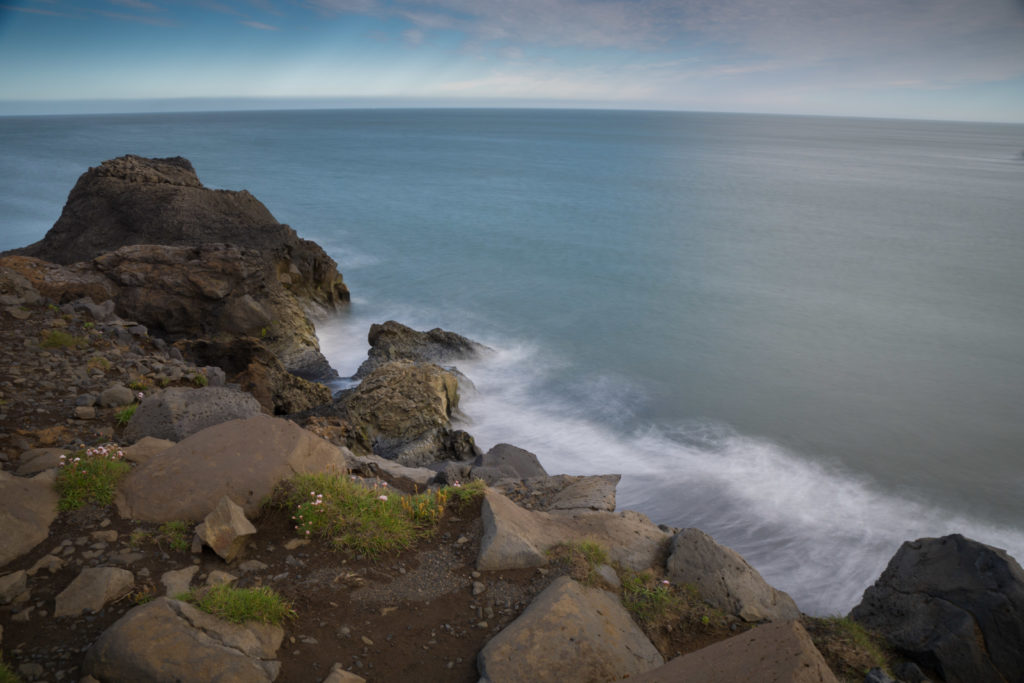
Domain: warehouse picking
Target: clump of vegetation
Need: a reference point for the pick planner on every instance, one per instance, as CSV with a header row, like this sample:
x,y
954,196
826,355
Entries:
x,y
239,605
369,521
850,649
99,362
124,416
90,476
200,380
137,385
6,675
59,339
176,534
582,560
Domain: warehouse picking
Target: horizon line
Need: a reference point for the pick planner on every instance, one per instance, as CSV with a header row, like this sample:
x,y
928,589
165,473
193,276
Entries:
x,y
211,105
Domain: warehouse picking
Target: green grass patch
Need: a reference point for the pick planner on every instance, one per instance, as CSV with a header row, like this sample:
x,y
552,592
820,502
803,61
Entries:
x,y
7,675
582,559
124,416
368,521
137,385
849,648
91,476
59,339
200,380
176,534
239,605
649,599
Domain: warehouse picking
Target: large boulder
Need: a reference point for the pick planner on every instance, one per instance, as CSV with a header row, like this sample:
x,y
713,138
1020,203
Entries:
x,y
241,459
568,633
180,412
168,640
391,341
187,261
952,605
402,411
726,580
780,652
515,538
505,461
27,508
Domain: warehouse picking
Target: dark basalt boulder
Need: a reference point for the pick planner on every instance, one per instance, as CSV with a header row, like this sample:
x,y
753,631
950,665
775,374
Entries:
x,y
391,341
134,200
187,261
952,605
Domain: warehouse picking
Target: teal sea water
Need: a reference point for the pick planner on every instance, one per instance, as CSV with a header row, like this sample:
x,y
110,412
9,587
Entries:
x,y
803,335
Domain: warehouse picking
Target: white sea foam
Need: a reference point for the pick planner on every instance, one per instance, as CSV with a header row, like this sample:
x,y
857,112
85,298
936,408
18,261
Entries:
x,y
820,533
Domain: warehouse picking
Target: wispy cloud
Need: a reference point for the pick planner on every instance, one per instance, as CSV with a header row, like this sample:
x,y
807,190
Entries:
x,y
260,26
33,10
136,4
135,18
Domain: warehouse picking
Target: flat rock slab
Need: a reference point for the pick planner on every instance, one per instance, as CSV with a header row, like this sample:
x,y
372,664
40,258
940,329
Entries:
x,y
27,508
568,633
515,538
180,412
780,652
241,459
39,460
93,588
953,605
168,640
725,579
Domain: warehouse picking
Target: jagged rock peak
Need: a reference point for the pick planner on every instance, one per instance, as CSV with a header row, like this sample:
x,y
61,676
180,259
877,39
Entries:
x,y
136,169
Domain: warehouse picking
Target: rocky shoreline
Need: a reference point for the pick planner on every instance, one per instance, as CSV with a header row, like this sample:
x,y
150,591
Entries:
x,y
176,323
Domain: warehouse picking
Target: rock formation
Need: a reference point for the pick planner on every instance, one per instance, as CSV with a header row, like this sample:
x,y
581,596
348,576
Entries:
x,y
954,606
393,341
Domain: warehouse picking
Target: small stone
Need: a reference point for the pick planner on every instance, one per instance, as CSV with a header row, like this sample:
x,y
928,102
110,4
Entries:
x,y
478,588
226,530
220,578
85,412
252,566
482,624
366,641
12,585
31,670
461,540
178,581
296,543
109,536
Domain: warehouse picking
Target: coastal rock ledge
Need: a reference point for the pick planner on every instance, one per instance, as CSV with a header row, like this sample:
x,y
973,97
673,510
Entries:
x,y
190,263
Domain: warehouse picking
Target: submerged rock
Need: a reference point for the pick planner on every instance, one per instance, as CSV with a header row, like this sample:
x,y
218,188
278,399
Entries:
x,y
954,606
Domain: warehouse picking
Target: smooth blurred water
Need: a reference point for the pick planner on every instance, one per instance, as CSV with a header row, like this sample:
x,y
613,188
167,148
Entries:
x,y
804,335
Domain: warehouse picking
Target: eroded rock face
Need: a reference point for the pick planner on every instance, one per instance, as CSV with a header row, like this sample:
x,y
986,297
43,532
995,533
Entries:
x,y
568,633
241,459
168,640
391,341
185,260
402,411
774,653
725,579
133,200
954,606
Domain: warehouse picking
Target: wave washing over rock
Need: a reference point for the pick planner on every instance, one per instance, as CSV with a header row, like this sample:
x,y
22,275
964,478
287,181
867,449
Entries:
x,y
157,311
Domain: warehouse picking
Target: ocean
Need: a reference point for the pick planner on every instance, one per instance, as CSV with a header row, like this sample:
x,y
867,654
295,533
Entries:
x,y
803,335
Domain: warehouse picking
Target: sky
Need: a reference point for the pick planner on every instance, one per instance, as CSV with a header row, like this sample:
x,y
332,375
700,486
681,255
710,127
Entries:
x,y
925,59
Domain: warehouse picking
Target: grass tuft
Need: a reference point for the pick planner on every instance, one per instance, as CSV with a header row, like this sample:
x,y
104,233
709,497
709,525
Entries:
x,y
59,339
239,605
125,415
176,534
849,648
90,476
582,559
7,675
368,521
